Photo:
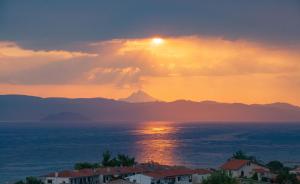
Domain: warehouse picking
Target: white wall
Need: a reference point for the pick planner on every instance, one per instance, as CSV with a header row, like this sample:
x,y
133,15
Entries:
x,y
144,179
57,180
184,179
140,179
247,169
198,178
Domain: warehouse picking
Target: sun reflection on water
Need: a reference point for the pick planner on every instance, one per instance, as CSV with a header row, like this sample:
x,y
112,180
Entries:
x,y
156,127
158,142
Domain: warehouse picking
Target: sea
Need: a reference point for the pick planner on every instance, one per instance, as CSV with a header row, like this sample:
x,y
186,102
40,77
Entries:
x,y
37,148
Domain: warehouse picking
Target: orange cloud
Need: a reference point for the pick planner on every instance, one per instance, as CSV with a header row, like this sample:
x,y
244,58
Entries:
x,y
209,56
15,58
191,67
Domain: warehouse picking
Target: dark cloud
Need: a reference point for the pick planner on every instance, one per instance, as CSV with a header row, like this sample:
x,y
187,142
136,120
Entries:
x,y
58,24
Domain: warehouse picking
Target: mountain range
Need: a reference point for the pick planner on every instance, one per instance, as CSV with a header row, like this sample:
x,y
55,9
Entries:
x,y
31,108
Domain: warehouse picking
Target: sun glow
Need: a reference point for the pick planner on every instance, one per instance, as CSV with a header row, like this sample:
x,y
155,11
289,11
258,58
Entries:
x,y
157,41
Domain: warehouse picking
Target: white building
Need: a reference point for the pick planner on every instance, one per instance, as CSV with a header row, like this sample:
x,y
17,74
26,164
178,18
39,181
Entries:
x,y
200,175
263,173
90,176
246,169
172,176
85,176
239,168
296,171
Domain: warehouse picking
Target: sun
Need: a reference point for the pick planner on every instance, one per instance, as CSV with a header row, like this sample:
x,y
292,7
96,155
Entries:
x,y
157,41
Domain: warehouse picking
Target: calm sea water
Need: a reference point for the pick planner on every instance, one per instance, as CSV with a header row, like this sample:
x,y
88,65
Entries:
x,y
28,149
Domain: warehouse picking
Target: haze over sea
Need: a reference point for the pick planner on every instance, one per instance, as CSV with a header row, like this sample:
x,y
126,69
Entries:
x,y
28,148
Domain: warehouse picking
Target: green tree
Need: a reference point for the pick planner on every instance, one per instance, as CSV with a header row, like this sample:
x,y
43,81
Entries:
x,y
255,176
285,177
240,155
20,182
220,177
243,156
86,165
125,160
30,180
107,160
120,160
33,180
275,166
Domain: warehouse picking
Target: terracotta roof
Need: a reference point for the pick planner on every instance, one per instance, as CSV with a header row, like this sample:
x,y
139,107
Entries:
x,y
118,170
93,172
169,173
297,169
73,173
261,170
234,164
202,171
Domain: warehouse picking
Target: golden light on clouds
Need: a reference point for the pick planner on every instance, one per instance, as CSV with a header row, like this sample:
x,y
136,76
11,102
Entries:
x,y
170,68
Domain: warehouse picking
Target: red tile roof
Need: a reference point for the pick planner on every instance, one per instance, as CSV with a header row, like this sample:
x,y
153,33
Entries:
x,y
98,171
159,173
118,170
202,171
261,170
170,173
234,164
73,173
297,169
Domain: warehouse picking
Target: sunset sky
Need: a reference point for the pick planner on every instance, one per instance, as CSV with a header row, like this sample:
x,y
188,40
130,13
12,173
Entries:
x,y
241,51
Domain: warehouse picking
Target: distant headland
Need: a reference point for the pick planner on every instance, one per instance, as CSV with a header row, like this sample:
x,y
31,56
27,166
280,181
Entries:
x,y
31,108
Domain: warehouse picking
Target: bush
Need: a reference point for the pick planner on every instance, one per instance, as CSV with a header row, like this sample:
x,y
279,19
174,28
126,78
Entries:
x,y
220,177
287,178
275,166
86,165
30,180
255,176
243,156
108,161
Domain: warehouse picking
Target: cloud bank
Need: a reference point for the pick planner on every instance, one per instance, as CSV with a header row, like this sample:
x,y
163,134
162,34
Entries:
x,y
205,62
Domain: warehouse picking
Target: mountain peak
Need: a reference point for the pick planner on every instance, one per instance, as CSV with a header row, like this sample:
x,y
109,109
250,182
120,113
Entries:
x,y
139,96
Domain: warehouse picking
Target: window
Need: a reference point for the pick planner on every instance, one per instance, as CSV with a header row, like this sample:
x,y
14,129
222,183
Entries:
x,y
49,181
104,179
